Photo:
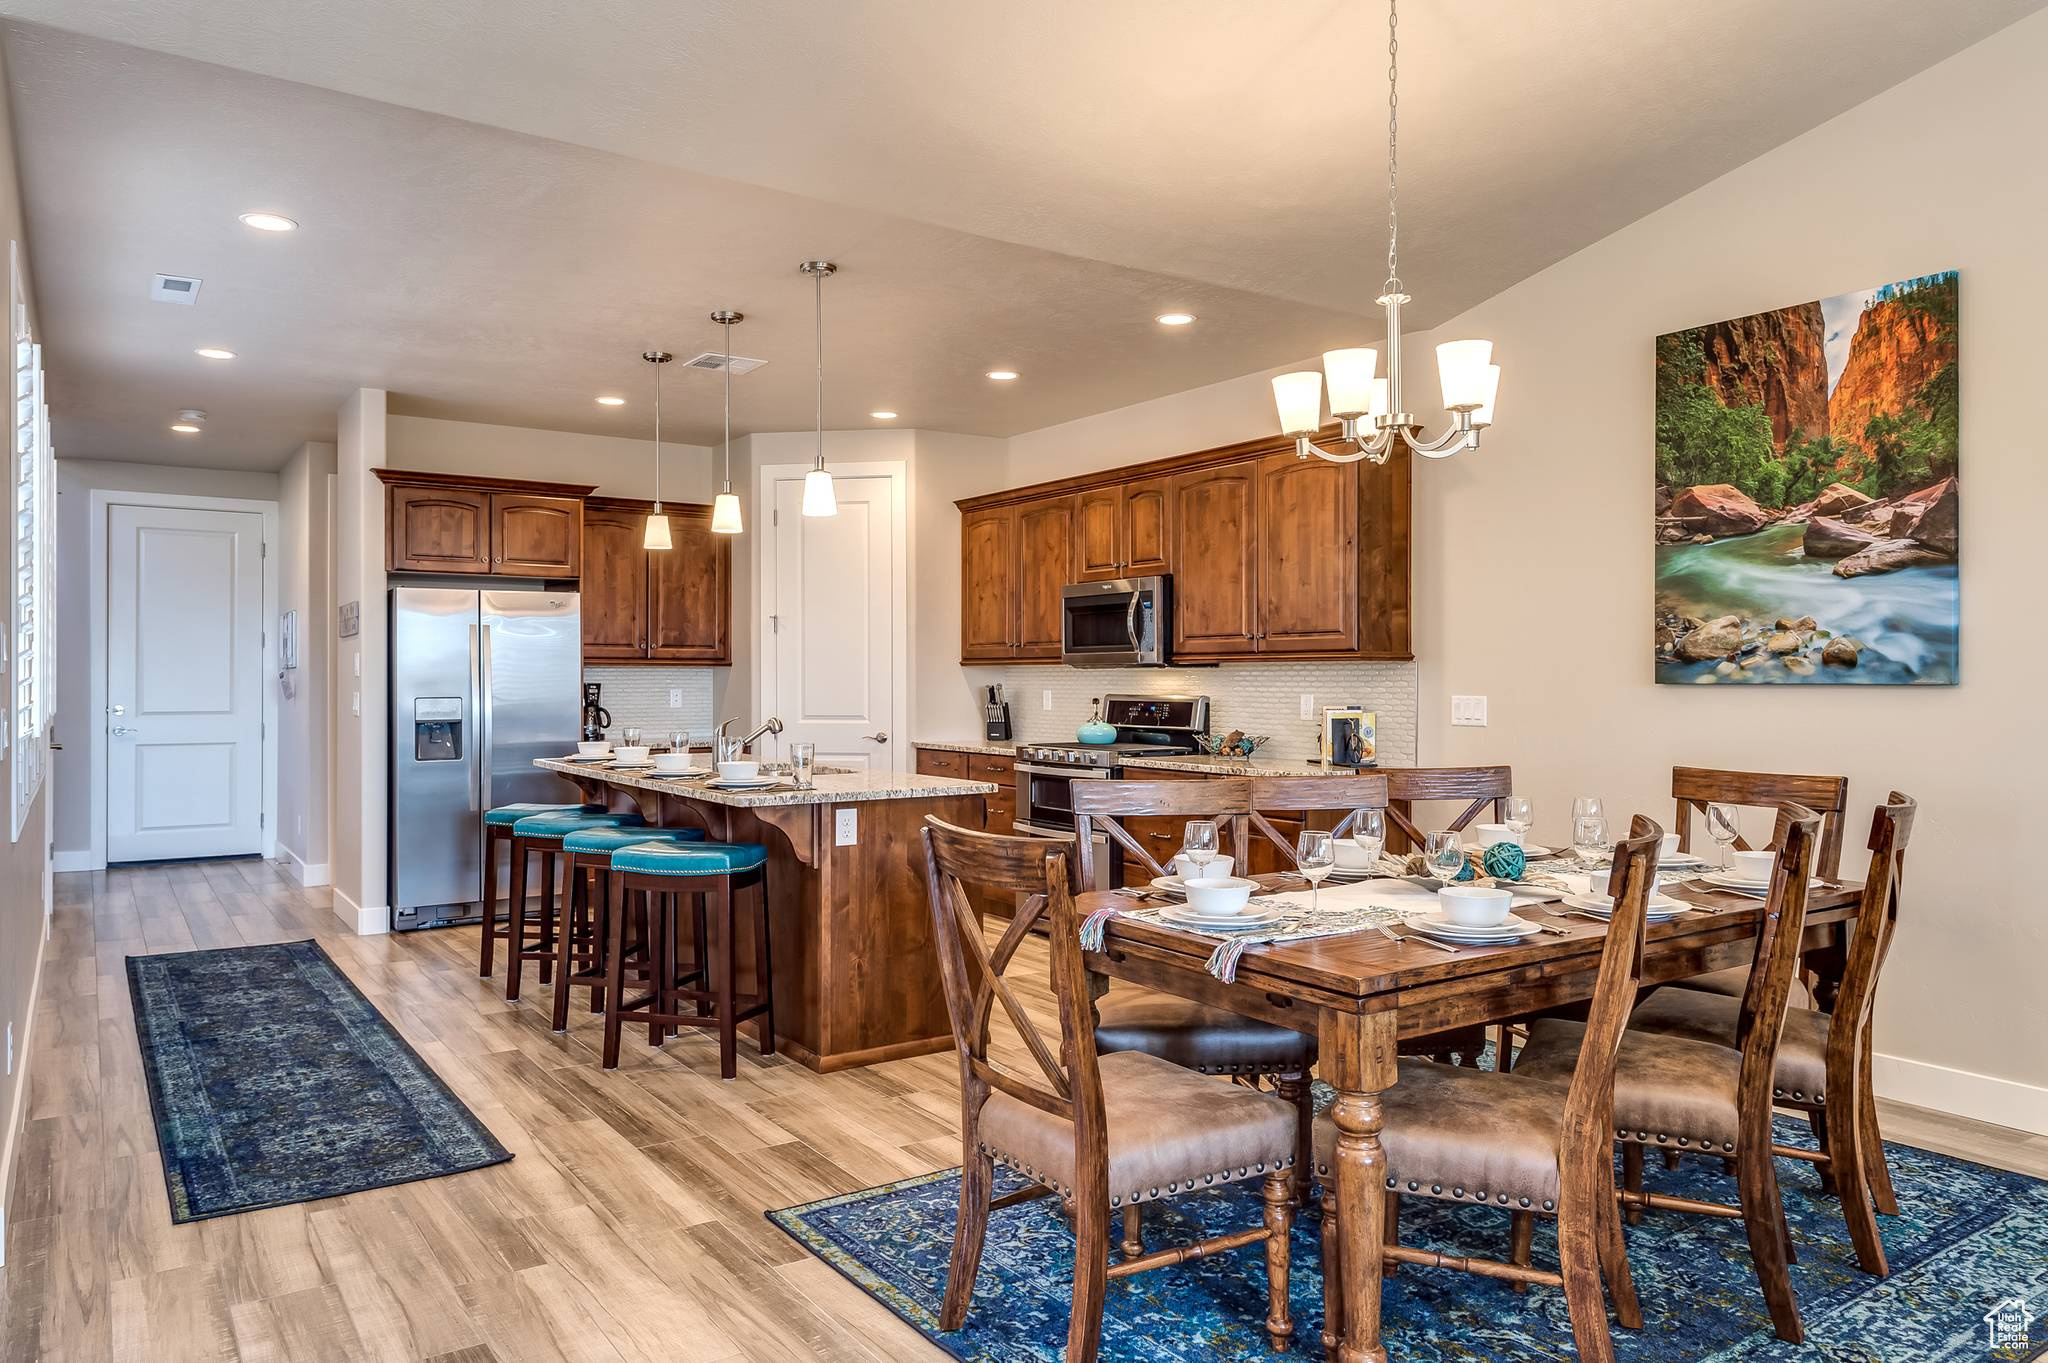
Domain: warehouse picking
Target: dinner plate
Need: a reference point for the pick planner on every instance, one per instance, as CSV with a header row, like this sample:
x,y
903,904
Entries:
x,y
632,766
588,757
1180,916
1514,930
1661,908
1170,885
733,783
1721,880
1531,850
686,774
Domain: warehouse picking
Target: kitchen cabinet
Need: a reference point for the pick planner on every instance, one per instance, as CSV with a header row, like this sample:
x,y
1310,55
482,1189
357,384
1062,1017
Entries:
x,y
437,530
1045,554
655,605
1215,556
1123,530
453,523
1305,538
536,536
1013,562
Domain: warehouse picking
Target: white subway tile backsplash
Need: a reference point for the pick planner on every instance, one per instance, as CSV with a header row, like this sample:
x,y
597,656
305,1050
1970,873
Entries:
x,y
638,696
1258,698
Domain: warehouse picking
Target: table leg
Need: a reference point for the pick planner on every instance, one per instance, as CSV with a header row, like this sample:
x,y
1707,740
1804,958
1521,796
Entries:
x,y
1358,1060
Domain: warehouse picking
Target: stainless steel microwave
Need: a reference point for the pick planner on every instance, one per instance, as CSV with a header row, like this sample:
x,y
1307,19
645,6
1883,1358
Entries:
x,y
1123,622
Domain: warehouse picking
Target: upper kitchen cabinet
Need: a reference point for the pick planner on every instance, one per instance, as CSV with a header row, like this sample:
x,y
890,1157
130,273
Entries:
x,y
450,523
614,583
1271,555
655,605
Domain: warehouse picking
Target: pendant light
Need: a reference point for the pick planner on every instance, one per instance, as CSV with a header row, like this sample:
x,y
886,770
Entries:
x,y
657,536
725,507
818,497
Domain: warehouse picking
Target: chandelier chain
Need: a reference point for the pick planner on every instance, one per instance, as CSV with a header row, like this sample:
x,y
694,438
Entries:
x,y
1393,146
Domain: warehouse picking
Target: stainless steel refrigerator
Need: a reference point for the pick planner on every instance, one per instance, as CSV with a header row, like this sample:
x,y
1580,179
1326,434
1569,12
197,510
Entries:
x,y
482,682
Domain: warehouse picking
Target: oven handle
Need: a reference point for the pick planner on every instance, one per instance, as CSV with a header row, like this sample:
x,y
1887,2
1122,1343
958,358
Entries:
x,y
1083,773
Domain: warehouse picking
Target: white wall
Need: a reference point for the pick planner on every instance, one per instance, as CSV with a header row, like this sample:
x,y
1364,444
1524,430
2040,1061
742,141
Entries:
x,y
621,467
358,698
80,731
304,716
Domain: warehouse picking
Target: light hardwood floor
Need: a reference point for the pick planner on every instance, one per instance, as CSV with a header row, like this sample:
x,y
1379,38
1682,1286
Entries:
x,y
628,1228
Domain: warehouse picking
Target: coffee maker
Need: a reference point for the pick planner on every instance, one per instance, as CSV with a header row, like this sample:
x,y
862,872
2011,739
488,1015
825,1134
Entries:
x,y
596,719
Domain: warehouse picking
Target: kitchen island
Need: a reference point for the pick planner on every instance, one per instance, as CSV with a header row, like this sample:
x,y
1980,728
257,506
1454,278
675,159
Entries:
x,y
856,974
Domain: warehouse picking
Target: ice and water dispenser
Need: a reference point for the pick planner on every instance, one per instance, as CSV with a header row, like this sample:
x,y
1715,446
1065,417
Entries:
x,y
437,728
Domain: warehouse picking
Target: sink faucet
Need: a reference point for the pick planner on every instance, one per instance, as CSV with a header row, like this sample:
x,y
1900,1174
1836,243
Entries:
x,y
771,725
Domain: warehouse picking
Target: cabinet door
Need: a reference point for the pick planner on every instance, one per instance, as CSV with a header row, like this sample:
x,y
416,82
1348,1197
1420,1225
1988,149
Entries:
x,y
614,585
1045,555
689,594
988,584
536,536
1146,528
1213,531
437,530
1098,534
1307,537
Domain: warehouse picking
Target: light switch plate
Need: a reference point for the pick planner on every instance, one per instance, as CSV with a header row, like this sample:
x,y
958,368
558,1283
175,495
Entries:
x,y
1468,711
845,827
1045,699
1308,706
355,702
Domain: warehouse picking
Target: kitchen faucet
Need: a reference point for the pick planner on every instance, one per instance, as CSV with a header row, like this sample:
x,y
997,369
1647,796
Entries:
x,y
771,725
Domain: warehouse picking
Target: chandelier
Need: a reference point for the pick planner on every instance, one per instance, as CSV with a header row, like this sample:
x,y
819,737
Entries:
x,y
1371,410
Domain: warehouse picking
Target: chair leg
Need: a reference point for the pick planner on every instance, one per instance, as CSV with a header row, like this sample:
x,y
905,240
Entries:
x,y
764,970
1673,1158
549,927
977,1182
1390,1233
1133,1238
1763,1217
515,922
1091,1278
614,969
729,1030
1296,1089
1621,1284
1333,1276
1850,1163
1632,1176
1279,1198
1578,1250
1817,1122
661,956
1521,1237
491,841
1876,1168
564,962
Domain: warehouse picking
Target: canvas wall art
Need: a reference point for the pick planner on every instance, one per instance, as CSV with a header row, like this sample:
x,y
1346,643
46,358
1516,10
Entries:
x,y
1807,510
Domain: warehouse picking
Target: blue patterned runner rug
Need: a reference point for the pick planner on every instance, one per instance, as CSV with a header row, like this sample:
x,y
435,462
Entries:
x,y
1970,1240
273,1080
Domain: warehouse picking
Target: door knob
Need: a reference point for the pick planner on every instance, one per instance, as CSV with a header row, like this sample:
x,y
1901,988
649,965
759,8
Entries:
x,y
117,709
119,732
878,736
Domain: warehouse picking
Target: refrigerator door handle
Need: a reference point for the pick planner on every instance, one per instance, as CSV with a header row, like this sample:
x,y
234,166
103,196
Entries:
x,y
483,695
475,716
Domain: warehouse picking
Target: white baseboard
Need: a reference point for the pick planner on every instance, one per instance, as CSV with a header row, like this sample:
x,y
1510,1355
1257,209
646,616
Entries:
x,y
307,873
80,859
362,921
1983,1097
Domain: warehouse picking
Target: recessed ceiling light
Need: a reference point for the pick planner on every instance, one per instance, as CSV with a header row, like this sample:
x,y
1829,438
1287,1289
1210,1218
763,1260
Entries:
x,y
185,427
213,352
883,416
1174,319
269,222
609,401
189,422
1002,375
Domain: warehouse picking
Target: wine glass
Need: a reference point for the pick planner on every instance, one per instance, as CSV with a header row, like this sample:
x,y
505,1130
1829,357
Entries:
x,y
1589,838
1444,855
1724,826
1315,853
1369,832
1517,813
1198,845
1588,807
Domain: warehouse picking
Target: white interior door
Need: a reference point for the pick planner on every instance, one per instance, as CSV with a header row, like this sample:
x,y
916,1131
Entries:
x,y
834,597
184,736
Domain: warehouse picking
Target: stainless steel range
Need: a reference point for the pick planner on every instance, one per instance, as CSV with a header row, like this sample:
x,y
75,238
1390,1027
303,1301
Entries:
x,y
1146,726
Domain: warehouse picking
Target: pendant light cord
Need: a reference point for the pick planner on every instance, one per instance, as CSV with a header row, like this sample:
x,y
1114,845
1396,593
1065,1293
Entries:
x,y
728,408
1393,145
819,279
657,439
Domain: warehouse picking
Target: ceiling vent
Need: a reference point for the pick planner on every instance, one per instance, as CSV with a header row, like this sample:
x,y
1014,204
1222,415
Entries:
x,y
715,361
174,288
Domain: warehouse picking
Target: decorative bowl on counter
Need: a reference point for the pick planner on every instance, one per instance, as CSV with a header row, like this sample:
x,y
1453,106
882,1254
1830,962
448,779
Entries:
x,y
1236,743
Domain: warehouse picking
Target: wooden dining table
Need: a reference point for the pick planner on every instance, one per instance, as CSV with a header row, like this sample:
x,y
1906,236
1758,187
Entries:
x,y
1361,996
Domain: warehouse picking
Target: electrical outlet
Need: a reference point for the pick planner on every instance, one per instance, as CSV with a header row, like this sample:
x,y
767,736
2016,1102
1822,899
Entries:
x,y
675,698
355,702
1045,700
845,827
1468,711
1308,706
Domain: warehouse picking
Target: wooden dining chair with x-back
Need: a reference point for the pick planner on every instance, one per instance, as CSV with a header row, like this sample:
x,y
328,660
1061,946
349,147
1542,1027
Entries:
x,y
1481,788
1673,1092
1099,1131
1526,1144
1823,1066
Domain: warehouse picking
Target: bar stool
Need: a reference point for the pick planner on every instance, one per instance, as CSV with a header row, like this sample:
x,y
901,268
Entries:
x,y
663,873
498,829
543,834
587,857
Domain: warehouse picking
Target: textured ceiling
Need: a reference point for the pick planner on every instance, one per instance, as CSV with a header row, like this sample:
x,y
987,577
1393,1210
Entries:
x,y
1022,185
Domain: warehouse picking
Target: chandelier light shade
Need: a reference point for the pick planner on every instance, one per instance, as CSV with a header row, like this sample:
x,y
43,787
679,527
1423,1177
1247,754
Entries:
x,y
656,535
819,499
1373,416
725,507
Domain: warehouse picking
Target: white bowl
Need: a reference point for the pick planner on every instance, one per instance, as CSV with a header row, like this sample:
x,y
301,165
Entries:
x,y
1667,848
1219,868
1754,867
738,771
672,761
1490,833
596,749
1219,894
1474,906
632,757
1352,857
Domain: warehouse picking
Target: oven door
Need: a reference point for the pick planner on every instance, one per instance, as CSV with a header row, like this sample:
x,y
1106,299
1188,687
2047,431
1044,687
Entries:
x,y
1045,809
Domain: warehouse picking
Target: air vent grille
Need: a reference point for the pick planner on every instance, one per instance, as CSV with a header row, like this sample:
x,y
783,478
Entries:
x,y
174,288
715,361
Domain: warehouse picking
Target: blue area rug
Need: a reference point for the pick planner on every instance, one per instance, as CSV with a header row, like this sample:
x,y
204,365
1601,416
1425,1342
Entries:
x,y
273,1080
1968,1238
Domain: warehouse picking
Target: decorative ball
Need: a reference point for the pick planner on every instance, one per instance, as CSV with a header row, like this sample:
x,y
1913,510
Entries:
x,y
1468,871
1504,861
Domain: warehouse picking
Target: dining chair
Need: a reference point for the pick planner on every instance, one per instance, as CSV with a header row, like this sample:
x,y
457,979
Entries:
x,y
1482,788
1823,1065
1694,788
1196,1036
1099,1131
1530,1145
1676,1092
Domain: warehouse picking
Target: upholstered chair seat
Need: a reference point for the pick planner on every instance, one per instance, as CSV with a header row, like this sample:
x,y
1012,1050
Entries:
x,y
1212,1040
1668,1090
511,814
1169,1131
1466,1135
554,825
1729,983
595,841
1801,1073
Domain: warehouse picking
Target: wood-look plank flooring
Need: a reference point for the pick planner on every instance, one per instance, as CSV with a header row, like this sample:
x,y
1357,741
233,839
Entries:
x,y
627,1230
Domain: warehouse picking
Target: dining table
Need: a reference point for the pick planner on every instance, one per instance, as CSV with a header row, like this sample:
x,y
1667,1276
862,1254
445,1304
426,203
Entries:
x,y
1362,995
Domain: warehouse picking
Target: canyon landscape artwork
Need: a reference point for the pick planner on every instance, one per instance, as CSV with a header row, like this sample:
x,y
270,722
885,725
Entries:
x,y
1807,507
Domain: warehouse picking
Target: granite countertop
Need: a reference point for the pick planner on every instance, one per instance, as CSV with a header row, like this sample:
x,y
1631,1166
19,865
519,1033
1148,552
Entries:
x,y
829,789
1237,766
973,745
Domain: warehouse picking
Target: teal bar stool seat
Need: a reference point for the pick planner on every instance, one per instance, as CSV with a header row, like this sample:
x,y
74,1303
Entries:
x,y
540,834
580,945
498,834
511,814
656,878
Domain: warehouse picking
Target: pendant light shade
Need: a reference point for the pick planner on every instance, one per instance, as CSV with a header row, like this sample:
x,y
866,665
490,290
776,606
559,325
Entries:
x,y
656,535
725,507
819,499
